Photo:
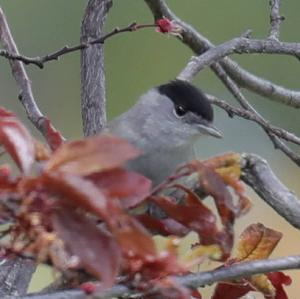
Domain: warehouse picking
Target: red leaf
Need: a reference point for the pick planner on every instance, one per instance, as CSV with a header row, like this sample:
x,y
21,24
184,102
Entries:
x,y
132,237
195,216
134,240
54,137
16,140
235,291
90,155
98,252
77,191
130,187
196,294
7,182
231,291
213,185
163,227
278,279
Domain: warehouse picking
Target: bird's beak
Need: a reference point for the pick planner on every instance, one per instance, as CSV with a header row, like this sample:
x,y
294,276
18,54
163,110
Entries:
x,y
209,129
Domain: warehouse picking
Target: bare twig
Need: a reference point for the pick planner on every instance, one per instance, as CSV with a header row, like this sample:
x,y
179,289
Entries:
x,y
244,45
233,88
26,95
279,144
279,132
239,45
191,280
199,44
40,61
259,176
275,19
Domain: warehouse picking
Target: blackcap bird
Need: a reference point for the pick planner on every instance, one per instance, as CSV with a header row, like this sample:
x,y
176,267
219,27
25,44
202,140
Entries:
x,y
165,123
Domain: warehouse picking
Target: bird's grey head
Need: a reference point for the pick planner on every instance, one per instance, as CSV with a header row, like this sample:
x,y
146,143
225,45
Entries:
x,y
175,114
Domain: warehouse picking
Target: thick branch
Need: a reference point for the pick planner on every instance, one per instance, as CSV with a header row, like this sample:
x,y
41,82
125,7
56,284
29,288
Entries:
x,y
26,95
15,276
191,280
200,44
93,101
259,176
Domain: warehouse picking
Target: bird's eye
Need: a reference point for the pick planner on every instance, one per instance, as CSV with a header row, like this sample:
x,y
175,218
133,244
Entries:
x,y
179,111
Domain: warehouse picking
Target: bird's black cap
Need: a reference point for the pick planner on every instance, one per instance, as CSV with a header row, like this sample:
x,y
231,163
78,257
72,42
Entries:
x,y
189,96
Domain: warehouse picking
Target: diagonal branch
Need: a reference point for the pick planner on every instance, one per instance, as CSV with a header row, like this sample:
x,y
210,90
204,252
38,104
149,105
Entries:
x,y
231,110
26,95
243,44
259,176
193,281
234,89
199,44
240,45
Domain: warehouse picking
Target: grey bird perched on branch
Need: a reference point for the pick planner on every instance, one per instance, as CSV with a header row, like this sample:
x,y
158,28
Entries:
x,y
165,123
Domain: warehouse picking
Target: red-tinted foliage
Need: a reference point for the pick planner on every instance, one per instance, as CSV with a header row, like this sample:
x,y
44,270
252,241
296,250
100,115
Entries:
x,y
16,140
97,250
195,216
78,212
236,291
7,182
231,291
77,191
91,155
256,242
278,279
53,137
130,187
165,227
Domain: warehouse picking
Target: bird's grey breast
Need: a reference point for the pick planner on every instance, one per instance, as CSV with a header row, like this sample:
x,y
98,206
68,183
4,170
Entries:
x,y
157,160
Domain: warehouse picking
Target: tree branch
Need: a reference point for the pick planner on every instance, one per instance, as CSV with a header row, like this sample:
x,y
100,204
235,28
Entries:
x,y
193,281
41,60
234,89
259,176
231,110
93,99
199,44
15,276
275,19
26,95
240,45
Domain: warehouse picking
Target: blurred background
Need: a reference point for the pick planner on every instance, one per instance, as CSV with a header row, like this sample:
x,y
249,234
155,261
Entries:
x,y
137,61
